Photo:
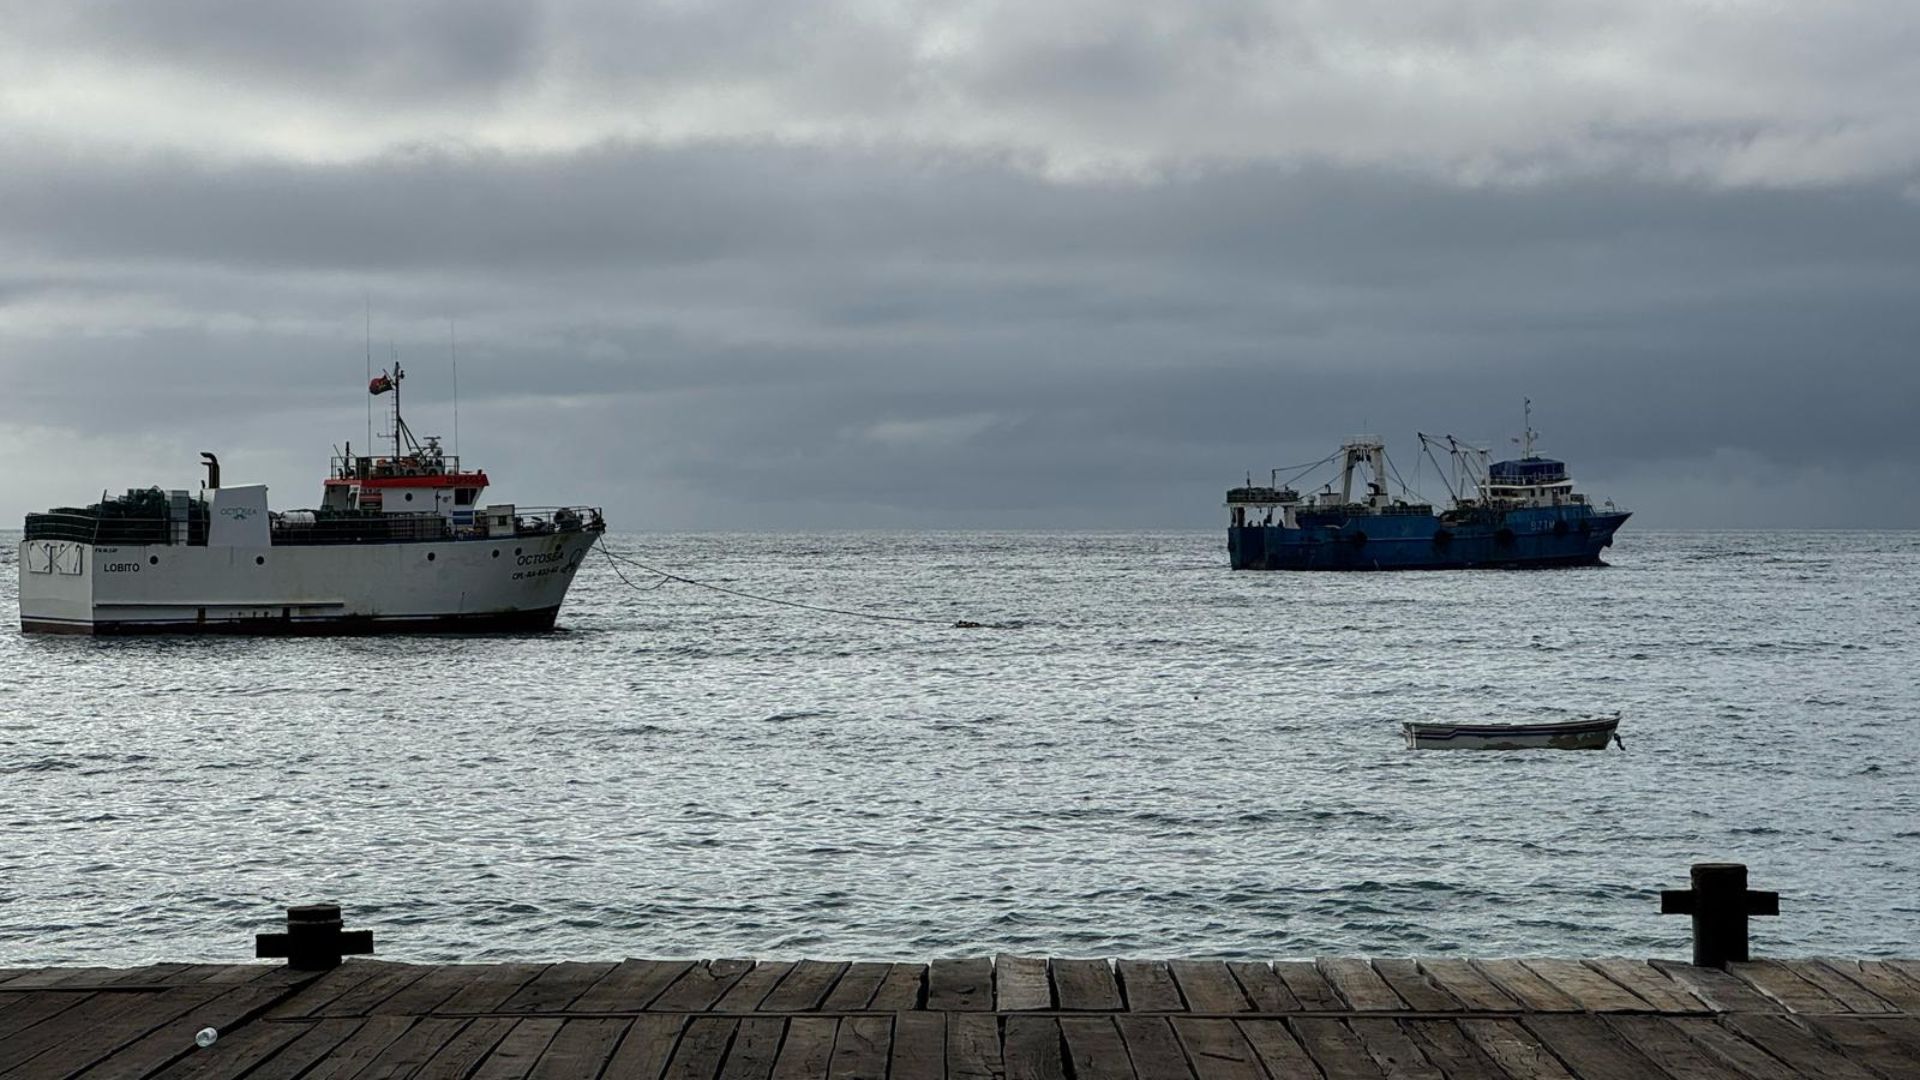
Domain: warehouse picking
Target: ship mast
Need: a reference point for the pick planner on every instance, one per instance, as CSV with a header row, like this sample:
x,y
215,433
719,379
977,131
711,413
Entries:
x,y
403,439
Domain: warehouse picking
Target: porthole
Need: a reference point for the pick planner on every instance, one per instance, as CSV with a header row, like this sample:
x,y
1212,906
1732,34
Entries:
x,y
259,560
409,496
496,553
516,551
429,556
153,560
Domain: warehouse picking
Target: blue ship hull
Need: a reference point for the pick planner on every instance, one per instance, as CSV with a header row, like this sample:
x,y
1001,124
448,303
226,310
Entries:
x,y
1521,538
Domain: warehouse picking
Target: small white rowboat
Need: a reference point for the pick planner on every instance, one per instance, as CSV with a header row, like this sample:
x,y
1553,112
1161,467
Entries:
x,y
1590,734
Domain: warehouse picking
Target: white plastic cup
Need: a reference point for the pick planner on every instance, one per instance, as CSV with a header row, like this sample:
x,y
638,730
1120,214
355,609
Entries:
x,y
204,1038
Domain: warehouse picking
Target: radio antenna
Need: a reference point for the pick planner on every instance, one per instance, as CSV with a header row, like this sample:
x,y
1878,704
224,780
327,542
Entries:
x,y
368,297
453,348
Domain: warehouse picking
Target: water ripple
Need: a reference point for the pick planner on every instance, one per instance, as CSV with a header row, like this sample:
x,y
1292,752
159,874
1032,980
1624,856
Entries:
x,y
1139,753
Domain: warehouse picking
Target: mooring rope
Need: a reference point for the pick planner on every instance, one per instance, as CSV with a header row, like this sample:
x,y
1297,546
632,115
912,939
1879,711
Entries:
x,y
666,576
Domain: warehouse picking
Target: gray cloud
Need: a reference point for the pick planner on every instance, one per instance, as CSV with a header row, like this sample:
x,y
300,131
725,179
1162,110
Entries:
x,y
797,320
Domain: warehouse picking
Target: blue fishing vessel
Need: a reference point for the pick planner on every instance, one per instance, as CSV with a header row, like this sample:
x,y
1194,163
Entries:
x,y
1513,514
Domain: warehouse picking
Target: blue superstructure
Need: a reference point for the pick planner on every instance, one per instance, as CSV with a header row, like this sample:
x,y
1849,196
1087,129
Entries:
x,y
1519,513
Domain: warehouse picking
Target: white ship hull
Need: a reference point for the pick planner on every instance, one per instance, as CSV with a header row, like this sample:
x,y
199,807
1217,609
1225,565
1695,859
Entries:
x,y
470,584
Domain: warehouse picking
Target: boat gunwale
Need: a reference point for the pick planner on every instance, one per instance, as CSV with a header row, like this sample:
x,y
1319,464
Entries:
x,y
1431,729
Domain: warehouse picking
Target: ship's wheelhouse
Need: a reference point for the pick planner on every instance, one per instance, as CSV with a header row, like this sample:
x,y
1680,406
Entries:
x,y
1532,481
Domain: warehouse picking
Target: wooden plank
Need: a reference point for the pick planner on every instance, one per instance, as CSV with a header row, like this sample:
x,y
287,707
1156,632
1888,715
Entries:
x,y
1085,985
919,1046
1649,984
1094,1048
1148,986
1908,967
1590,1046
1033,1051
1904,1030
462,1053
412,1050
1216,1048
861,1048
1153,1047
149,975
488,987
193,973
1749,1060
514,1057
856,987
1020,983
369,995
239,973
1209,987
1467,985
756,1046
1717,988
438,983
1356,981
1594,991
1886,983
358,1050
104,1022
902,989
1514,1049
1842,989
1412,986
973,1045
555,988
746,994
1449,1049
808,1049
1393,1050
1310,987
581,1049
960,985
804,988
231,1008
1679,1056
317,1039
1264,989
700,986
313,998
239,1052
1278,1050
73,978
1873,1042
631,986
649,1043
33,1008
1783,986
702,1047
1336,1049
1524,986
1796,1046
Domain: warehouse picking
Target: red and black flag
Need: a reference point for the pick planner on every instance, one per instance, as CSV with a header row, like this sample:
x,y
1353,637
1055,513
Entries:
x,y
380,385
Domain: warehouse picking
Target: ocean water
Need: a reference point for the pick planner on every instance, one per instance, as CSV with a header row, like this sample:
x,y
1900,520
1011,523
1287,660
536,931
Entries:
x,y
1141,754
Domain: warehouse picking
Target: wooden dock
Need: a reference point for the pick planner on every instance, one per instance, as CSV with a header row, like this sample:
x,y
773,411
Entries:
x,y
1014,1017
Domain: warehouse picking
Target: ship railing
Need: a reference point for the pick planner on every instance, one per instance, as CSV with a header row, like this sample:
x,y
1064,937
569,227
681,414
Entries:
x,y
86,528
373,466
305,528
548,520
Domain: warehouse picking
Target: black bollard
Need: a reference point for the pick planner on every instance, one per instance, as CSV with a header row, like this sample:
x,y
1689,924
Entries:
x,y
1720,904
314,940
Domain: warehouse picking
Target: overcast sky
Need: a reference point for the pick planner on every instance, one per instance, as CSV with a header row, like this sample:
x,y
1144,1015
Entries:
x,y
1064,265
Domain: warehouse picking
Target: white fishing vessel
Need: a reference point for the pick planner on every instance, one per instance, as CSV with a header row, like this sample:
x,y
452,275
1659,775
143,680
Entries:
x,y
399,543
